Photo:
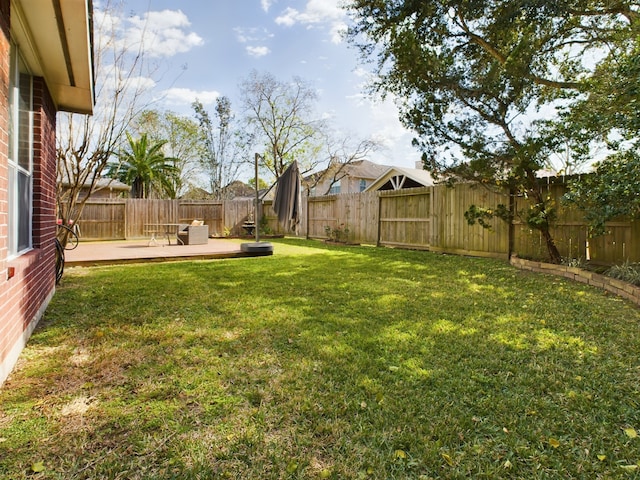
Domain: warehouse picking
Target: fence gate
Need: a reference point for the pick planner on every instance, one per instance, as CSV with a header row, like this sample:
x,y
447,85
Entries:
x,y
405,218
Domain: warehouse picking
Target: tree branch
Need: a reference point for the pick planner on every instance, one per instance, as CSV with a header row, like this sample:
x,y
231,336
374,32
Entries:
x,y
502,59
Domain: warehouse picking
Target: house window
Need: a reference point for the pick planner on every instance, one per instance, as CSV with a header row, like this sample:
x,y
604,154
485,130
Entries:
x,y
335,188
20,154
363,184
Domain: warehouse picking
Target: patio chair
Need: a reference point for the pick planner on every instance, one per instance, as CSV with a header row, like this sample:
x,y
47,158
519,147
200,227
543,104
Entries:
x,y
194,234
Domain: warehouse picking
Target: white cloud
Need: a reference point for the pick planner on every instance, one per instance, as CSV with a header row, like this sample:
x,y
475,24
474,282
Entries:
x,y
141,83
361,72
244,35
254,36
251,35
258,52
317,13
379,119
266,4
113,77
159,34
104,24
288,17
186,96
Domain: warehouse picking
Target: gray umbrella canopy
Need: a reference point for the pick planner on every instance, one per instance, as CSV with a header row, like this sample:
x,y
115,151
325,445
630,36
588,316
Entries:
x,y
288,198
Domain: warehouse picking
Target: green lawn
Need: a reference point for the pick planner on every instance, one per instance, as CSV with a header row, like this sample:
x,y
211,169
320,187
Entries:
x,y
325,362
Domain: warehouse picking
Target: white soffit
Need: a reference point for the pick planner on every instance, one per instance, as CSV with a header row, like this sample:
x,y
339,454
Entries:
x,y
55,39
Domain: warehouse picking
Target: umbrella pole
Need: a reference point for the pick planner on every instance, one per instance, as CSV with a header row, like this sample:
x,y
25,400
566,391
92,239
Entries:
x,y
256,220
257,248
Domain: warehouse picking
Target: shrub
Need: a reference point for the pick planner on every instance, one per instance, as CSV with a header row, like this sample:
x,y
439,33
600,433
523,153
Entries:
x,y
338,234
627,272
574,262
264,226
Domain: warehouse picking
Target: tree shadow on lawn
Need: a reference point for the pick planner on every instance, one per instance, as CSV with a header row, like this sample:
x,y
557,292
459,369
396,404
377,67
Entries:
x,y
335,360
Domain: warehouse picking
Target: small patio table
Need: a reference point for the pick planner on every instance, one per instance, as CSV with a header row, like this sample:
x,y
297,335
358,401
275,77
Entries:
x,y
164,229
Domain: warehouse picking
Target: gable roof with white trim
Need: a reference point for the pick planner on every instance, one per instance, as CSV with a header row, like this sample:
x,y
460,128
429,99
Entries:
x,y
397,178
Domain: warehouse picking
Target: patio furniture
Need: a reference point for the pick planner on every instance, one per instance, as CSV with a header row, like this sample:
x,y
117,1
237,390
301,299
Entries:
x,y
194,234
167,230
249,227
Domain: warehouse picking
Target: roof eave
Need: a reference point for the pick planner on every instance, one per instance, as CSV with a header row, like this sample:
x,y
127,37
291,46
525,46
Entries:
x,y
56,40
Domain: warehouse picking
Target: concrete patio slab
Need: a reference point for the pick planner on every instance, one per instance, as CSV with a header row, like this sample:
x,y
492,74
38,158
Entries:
x,y
141,251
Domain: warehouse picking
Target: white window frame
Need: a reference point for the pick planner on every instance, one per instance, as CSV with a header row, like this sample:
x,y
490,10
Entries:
x,y
19,220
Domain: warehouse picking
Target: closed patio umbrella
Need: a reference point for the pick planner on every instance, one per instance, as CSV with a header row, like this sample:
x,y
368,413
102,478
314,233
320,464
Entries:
x,y
288,199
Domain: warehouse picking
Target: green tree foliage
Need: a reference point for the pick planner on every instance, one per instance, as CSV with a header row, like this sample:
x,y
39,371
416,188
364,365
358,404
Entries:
x,y
262,185
145,168
224,146
611,191
281,116
183,145
476,81
611,113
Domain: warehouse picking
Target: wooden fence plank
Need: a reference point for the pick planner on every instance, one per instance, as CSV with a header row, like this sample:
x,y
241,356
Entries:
x,y
210,212
104,220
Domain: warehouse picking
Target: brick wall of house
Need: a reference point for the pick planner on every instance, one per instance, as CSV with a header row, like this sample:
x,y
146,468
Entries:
x,y
4,137
25,295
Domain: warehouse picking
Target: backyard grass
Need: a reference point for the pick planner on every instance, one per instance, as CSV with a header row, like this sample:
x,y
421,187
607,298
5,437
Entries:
x,y
325,362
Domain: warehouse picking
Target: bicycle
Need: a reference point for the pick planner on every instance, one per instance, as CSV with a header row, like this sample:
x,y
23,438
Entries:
x,y
71,239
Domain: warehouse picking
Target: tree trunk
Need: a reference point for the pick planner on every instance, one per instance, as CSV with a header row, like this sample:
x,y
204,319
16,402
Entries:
x,y
137,188
544,206
552,250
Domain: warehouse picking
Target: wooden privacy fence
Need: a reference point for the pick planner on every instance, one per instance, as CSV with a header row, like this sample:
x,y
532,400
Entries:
x,y
356,211
620,243
433,218
113,219
421,218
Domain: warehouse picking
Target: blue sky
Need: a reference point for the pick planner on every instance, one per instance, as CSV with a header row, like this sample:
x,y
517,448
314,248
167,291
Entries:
x,y
207,47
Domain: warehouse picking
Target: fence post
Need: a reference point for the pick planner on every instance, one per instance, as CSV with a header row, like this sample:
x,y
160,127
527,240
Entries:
x,y
511,227
307,215
379,219
432,222
633,252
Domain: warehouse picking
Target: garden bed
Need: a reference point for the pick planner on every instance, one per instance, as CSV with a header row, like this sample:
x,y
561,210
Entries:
x,y
612,285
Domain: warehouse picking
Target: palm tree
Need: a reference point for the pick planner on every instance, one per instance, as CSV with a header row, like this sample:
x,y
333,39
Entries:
x,y
145,168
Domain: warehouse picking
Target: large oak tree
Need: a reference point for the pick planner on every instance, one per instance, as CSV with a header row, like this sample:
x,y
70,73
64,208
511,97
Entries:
x,y
482,83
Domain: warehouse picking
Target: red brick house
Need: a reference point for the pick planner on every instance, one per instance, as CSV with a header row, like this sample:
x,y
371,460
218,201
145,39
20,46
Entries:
x,y
45,67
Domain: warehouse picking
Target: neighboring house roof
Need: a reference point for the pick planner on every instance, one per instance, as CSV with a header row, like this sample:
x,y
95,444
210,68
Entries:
x,y
240,189
263,194
101,183
111,184
56,41
397,178
364,169
196,193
